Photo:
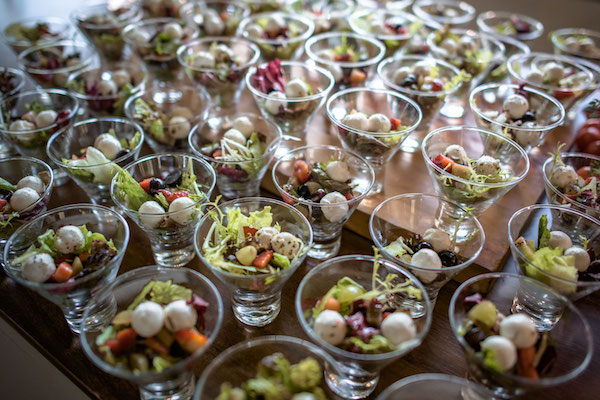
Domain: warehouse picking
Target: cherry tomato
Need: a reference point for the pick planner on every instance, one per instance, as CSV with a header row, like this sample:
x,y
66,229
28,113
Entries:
x,y
301,170
171,196
585,137
584,172
593,148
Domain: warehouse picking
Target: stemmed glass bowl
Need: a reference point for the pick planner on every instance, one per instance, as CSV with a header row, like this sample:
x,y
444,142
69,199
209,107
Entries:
x,y
500,23
456,13
13,35
559,36
231,13
434,387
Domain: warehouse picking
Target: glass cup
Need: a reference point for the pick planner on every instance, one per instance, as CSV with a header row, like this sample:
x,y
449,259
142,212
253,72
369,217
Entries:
x,y
169,102
477,142
559,37
223,85
32,143
261,6
295,113
331,15
594,68
487,101
177,381
13,81
76,56
73,296
239,363
505,24
498,71
376,148
346,73
444,12
230,12
162,8
327,231
360,372
256,298
101,24
85,86
171,246
30,32
412,214
236,179
571,334
95,179
13,169
279,48
434,387
574,223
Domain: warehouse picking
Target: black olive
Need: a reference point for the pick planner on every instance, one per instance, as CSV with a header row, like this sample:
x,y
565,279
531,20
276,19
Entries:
x,y
122,153
173,179
303,192
474,336
155,185
528,116
448,258
5,194
318,195
422,245
409,80
594,267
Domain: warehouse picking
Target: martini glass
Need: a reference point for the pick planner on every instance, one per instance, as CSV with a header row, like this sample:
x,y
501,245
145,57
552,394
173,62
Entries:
x,y
31,32
13,81
502,23
231,13
444,12
434,387
560,41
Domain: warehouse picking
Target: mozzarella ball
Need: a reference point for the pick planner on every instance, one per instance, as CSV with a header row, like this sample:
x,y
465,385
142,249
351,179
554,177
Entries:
x,y
296,88
203,59
330,326
504,350
179,127
357,120
255,31
243,125
151,214
69,239
182,210
535,77
486,165
21,125
108,145
223,53
108,88
401,74
520,330
560,239
563,176
422,68
398,328
439,239
426,258
33,182
274,102
338,171
286,244
22,199
335,206
326,55
516,106
527,138
147,319
180,315
236,136
264,236
457,153
213,25
121,77
379,123
174,30
553,72
582,258
45,118
274,24
38,268
450,46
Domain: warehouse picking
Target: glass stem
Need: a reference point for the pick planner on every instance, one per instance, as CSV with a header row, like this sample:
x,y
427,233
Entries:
x,y
179,388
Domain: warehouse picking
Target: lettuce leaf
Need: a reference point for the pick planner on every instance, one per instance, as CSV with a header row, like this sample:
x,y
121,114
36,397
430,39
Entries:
x,y
167,291
377,344
6,185
129,190
543,232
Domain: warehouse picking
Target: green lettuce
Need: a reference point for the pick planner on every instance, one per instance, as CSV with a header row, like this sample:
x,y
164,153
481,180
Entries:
x,y
6,185
129,190
377,344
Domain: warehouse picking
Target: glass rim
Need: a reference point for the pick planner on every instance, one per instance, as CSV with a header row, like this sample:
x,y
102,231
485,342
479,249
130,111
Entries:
x,y
395,94
481,88
207,39
134,275
189,7
541,382
73,77
83,61
343,64
293,152
16,73
494,41
468,11
388,392
555,34
513,144
11,41
43,164
117,259
454,268
330,13
416,342
147,22
243,200
310,28
409,18
513,41
134,13
487,15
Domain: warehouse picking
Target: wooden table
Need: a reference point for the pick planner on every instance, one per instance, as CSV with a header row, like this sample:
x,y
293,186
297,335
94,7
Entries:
x,y
43,325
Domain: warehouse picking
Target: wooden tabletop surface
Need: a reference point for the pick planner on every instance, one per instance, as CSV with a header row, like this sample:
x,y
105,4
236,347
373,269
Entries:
x,y
44,326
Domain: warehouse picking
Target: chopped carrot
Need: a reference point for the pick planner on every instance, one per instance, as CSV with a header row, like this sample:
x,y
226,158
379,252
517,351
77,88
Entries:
x,y
396,123
443,162
114,346
301,170
526,357
126,338
262,260
357,77
145,184
84,256
217,153
287,198
333,304
190,340
156,346
63,272
224,16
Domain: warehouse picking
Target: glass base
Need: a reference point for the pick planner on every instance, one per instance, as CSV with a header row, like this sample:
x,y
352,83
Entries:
x,y
101,314
356,384
256,309
325,250
453,110
238,190
173,258
181,388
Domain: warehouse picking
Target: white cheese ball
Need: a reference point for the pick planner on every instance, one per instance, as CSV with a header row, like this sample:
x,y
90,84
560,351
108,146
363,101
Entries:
x,y
520,330
174,30
563,176
147,319
330,326
180,315
504,350
69,239
33,182
553,72
213,25
398,328
236,136
243,125
582,258
426,258
121,77
23,199
151,214
422,68
255,31
357,120
457,153
516,106
38,268
182,209
223,53
379,123
336,71
338,171
274,102
108,145
265,235
108,88
285,244
527,138
296,88
535,77
334,206
486,165
274,24
450,46
401,74
179,127
45,118
21,125
439,239
560,239
203,59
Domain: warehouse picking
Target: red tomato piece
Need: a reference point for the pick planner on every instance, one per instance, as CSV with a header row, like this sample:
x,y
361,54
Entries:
x,y
145,184
584,172
301,170
586,136
114,346
127,337
593,148
349,196
396,123
2,203
443,162
249,231
217,153
170,196
562,94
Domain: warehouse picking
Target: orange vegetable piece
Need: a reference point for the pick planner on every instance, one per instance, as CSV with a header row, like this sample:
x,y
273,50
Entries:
x,y
217,153
333,304
248,231
301,170
262,260
526,357
84,256
114,346
190,340
156,346
126,338
63,272
357,77
396,123
145,184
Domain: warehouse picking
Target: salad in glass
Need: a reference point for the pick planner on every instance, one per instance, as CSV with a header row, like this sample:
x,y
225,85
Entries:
x,y
510,24
32,32
444,12
215,17
261,6
577,42
162,8
329,16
